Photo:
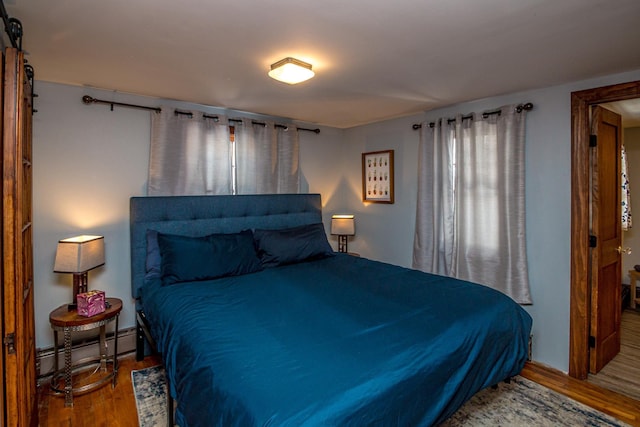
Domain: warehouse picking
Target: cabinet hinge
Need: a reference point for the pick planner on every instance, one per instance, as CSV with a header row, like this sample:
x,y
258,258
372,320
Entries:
x,y
593,140
593,241
10,342
592,341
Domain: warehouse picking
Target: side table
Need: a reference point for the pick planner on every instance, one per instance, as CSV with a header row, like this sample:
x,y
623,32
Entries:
x,y
62,319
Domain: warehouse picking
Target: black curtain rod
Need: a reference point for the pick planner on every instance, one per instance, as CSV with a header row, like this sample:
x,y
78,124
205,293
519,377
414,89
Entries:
x,y
519,108
207,116
91,100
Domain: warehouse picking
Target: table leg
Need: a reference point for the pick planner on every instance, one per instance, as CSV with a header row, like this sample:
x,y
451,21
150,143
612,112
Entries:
x,y
56,365
103,348
68,387
115,353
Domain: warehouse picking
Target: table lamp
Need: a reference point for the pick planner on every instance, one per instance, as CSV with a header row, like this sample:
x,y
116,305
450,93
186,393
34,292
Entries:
x,y
343,225
78,255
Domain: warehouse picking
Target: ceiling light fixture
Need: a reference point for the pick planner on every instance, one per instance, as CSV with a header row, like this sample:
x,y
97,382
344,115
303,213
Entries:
x,y
291,71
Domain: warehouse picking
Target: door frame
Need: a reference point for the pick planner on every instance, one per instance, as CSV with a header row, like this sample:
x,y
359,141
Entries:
x,y
580,306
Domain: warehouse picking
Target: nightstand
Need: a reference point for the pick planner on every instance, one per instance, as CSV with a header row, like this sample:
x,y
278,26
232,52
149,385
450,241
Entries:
x,y
62,319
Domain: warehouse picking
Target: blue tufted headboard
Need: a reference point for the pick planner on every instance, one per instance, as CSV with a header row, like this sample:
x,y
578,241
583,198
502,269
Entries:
x,y
201,215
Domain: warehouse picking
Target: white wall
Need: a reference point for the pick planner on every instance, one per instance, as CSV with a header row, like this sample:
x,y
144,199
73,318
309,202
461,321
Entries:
x,y
385,232
88,162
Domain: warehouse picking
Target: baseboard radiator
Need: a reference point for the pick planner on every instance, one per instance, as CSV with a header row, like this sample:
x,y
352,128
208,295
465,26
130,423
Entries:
x,y
83,349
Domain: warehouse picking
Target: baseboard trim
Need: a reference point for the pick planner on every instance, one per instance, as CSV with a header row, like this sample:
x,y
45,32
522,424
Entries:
x,y
82,350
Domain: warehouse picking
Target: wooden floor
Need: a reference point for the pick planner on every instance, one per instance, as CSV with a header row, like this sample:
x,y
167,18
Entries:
x,y
615,404
106,406
622,374
116,407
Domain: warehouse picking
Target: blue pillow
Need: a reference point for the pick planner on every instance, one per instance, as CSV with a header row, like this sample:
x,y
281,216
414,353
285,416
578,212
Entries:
x,y
188,259
291,245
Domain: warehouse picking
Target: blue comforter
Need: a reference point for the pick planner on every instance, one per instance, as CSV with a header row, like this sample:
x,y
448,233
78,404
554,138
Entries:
x,y
340,341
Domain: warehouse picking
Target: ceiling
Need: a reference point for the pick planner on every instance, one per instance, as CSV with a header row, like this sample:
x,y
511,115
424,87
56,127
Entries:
x,y
374,59
628,109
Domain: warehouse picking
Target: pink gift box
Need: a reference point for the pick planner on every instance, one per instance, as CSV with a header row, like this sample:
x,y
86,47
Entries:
x,y
90,303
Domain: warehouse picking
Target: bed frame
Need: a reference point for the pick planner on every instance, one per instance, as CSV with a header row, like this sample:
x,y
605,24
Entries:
x,y
202,215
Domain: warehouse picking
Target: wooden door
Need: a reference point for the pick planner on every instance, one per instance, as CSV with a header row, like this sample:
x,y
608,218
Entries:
x,y
606,259
19,375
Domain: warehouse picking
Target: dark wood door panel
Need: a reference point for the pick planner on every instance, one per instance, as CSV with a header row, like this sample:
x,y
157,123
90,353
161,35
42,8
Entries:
x,y
606,226
19,403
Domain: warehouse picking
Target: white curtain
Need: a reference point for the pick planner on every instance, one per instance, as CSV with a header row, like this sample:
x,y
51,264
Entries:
x,y
192,155
470,220
267,158
189,155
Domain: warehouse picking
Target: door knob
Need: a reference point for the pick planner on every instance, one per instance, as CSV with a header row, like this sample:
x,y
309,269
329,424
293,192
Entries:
x,y
621,250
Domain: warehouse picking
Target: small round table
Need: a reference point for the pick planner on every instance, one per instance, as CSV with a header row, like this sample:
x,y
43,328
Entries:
x,y
68,321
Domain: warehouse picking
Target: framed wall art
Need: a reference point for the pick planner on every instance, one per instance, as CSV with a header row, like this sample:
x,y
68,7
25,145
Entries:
x,y
377,176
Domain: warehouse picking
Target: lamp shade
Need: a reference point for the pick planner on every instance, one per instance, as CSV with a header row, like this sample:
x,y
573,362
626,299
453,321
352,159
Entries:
x,y
79,254
343,225
291,71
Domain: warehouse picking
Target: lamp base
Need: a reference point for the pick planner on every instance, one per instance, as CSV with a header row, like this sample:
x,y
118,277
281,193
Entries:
x,y
80,281
342,243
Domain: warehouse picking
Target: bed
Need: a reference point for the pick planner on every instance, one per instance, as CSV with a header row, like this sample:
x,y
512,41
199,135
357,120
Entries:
x,y
304,335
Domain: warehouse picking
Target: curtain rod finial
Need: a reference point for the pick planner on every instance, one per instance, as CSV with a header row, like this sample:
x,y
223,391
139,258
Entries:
x,y
87,99
526,107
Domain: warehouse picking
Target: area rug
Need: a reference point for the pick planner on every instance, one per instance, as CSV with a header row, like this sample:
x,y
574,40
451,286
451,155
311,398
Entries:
x,y
150,391
526,403
516,404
